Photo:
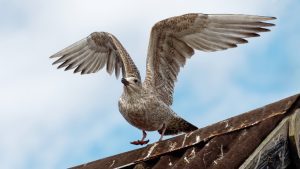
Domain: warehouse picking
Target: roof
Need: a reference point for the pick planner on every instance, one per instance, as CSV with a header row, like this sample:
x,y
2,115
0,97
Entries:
x,y
267,136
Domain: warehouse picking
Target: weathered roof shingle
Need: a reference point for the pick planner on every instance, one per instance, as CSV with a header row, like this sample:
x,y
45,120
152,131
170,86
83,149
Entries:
x,y
258,138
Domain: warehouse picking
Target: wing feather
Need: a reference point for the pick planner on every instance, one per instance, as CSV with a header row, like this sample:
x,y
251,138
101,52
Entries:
x,y
110,64
97,65
173,40
67,56
117,68
89,62
74,61
71,49
182,48
94,65
92,53
85,63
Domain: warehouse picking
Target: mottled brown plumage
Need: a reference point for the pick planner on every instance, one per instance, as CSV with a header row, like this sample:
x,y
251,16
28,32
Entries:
x,y
146,105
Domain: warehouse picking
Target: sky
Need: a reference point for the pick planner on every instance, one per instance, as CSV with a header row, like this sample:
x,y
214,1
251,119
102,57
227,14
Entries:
x,y
55,119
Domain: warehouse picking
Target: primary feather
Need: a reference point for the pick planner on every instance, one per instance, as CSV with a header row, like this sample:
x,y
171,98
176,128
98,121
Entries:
x,y
92,53
173,40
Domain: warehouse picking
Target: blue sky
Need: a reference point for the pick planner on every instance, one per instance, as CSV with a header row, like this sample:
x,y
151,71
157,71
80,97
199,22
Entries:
x,y
55,119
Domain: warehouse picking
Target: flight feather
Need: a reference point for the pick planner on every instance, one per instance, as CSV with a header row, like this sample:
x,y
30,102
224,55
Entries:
x,y
173,40
92,53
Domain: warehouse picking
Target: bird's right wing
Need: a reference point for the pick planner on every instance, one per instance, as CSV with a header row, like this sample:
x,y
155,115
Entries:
x,y
92,53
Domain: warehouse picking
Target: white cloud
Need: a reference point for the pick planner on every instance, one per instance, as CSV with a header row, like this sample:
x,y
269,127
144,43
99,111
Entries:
x,y
47,114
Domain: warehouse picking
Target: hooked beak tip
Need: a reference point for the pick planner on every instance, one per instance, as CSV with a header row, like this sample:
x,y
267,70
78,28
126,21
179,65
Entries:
x,y
124,81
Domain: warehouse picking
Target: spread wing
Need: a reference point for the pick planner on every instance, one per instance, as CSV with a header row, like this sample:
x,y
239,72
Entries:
x,y
92,53
173,40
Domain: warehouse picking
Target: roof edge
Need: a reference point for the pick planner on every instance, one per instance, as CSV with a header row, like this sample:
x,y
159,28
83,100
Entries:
x,y
248,119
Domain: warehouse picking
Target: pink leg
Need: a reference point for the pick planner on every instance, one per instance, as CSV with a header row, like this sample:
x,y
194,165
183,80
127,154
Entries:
x,y
163,132
142,141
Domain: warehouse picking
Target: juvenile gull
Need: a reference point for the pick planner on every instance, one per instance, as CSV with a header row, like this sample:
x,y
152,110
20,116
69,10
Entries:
x,y
146,105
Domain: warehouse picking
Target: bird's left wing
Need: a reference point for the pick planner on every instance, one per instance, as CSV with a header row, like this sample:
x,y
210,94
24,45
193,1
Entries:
x,y
92,53
173,40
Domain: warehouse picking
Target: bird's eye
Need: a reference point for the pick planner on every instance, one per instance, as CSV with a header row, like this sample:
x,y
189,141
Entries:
x,y
135,80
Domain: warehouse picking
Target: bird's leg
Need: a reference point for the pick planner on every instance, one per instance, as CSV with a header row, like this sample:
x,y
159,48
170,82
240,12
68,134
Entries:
x,y
164,127
142,141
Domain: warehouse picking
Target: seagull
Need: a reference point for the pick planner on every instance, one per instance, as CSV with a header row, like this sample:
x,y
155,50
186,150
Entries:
x,y
146,104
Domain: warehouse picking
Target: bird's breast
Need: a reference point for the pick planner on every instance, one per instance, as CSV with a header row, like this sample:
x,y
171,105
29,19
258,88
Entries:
x,y
139,113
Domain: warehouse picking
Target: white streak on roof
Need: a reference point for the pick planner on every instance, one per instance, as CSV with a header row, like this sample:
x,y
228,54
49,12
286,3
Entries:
x,y
151,150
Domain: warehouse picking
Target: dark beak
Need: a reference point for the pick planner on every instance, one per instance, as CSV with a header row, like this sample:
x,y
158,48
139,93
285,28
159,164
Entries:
x,y
124,81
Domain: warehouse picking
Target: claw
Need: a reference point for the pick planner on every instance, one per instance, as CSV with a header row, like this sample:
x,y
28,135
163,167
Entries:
x,y
140,142
135,142
143,141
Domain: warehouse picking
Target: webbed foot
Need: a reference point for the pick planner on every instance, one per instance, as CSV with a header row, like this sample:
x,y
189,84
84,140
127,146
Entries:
x,y
140,142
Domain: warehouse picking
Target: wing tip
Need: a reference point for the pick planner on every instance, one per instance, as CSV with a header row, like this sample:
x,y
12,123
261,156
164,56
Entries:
x,y
266,24
250,35
272,18
262,30
76,70
60,66
69,67
54,56
56,62
266,18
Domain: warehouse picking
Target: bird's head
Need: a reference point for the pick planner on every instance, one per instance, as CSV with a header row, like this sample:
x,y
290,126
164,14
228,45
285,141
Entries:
x,y
132,83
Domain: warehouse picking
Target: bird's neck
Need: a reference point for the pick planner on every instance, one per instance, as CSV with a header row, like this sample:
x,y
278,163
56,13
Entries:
x,y
130,92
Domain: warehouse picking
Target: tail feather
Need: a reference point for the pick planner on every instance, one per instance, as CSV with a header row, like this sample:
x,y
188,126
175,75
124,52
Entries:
x,y
178,125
